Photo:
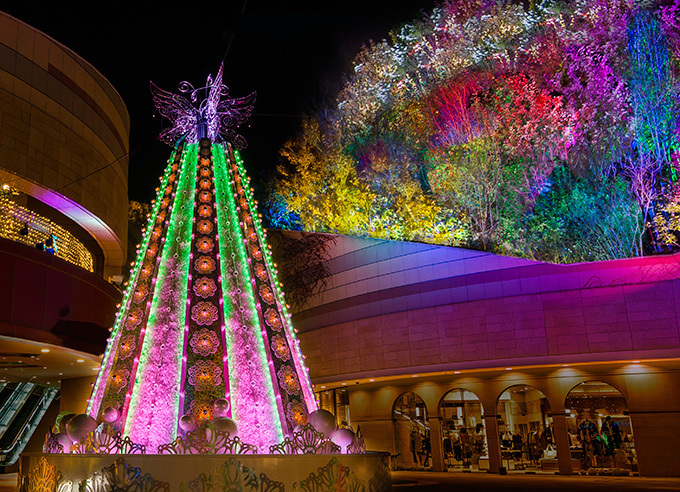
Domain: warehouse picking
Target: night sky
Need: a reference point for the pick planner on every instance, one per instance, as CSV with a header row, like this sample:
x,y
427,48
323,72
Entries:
x,y
293,57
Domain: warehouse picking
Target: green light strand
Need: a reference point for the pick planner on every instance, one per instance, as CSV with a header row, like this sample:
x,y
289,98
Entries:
x,y
303,370
134,274
179,233
226,190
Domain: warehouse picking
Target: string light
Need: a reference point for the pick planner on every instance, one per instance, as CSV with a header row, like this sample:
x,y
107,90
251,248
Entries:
x,y
14,217
172,351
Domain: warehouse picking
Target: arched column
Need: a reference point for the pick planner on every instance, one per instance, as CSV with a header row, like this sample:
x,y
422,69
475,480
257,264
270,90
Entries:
x,y
562,443
436,444
493,442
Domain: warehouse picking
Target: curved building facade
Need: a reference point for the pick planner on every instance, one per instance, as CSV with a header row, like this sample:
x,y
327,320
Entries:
x,y
64,134
457,359
64,143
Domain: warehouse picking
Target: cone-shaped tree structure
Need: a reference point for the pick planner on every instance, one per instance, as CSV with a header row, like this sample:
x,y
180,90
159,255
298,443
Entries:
x,y
203,318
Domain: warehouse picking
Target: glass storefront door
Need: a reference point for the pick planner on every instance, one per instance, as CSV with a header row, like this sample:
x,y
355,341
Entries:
x,y
599,428
463,435
411,433
525,429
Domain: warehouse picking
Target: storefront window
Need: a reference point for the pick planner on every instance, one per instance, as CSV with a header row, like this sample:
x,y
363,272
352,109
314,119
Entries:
x,y
336,401
599,428
411,433
525,428
342,416
463,433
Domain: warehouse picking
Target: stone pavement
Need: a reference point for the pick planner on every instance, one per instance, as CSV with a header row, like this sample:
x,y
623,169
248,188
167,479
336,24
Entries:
x,y
481,482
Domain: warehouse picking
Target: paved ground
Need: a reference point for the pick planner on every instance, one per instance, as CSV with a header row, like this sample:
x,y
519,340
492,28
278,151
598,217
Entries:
x,y
482,482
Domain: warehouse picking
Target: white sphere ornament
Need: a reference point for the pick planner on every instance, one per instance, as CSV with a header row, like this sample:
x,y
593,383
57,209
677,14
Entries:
x,y
221,407
225,424
187,423
343,438
323,421
79,426
110,414
298,428
65,441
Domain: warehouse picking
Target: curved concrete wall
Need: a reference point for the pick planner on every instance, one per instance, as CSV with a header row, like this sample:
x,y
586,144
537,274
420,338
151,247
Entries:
x,y
404,317
64,135
46,299
394,308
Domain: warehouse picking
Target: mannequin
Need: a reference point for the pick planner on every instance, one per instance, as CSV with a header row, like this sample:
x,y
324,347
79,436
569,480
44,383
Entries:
x,y
517,441
613,433
457,449
418,447
587,432
506,440
414,451
465,444
448,449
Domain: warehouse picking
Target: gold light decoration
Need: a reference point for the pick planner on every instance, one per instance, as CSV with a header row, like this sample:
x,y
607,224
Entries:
x,y
14,217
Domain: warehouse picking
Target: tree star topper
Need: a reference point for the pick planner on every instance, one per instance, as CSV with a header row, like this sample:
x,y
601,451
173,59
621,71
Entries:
x,y
203,112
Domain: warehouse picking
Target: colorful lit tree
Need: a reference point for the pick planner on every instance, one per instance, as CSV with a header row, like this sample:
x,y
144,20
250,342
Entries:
x,y
534,131
463,117
580,219
667,220
654,104
203,332
669,17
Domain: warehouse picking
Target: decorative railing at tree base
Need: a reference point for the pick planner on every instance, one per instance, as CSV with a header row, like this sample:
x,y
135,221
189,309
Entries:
x,y
208,440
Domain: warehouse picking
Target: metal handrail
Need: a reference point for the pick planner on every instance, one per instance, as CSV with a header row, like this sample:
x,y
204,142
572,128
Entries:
x,y
5,405
22,437
14,404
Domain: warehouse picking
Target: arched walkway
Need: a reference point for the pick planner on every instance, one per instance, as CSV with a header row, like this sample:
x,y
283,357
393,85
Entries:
x,y
599,428
411,432
463,433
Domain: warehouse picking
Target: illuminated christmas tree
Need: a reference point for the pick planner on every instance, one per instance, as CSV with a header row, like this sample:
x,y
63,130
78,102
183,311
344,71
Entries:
x,y
203,333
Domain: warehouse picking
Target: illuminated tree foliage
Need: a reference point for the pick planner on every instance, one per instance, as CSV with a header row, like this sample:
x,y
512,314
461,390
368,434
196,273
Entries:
x,y
667,222
544,129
